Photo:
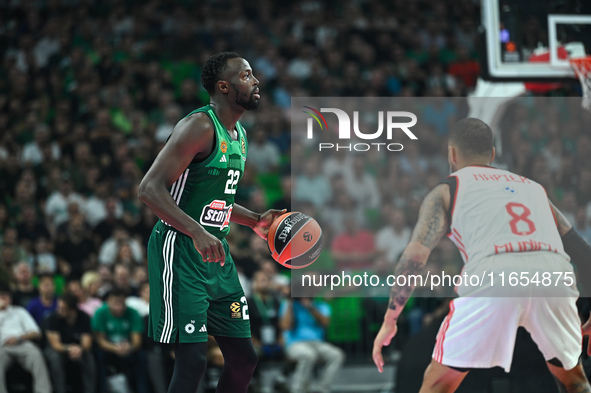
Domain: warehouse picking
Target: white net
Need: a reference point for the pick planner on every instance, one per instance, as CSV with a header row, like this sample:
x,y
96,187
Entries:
x,y
582,67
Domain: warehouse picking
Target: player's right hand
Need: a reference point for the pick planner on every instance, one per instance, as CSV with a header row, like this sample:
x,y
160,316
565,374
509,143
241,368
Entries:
x,y
210,247
383,339
587,332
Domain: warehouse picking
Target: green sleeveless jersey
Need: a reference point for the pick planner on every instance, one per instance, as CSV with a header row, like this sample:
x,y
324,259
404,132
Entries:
x,y
206,190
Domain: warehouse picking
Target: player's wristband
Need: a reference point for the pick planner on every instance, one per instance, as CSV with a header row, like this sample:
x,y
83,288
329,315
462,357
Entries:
x,y
580,252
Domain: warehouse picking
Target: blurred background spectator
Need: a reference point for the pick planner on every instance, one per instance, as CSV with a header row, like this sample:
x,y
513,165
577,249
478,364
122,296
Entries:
x,y
85,107
304,322
118,330
70,345
18,329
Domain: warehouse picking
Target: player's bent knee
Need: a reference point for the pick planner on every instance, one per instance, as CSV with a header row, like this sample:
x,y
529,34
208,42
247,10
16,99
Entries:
x,y
441,379
246,360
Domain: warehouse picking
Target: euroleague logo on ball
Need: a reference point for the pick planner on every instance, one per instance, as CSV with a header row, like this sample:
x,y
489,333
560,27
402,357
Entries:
x,y
295,240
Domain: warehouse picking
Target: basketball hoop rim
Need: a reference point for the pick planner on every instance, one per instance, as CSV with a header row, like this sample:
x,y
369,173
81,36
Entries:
x,y
581,65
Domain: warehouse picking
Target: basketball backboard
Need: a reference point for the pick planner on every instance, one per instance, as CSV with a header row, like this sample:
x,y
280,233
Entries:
x,y
528,40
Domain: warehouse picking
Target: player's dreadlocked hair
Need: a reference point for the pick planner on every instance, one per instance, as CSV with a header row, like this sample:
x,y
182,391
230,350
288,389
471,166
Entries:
x,y
472,136
213,69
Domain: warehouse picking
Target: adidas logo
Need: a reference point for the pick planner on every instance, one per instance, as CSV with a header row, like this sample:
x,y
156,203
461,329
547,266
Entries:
x,y
223,159
203,329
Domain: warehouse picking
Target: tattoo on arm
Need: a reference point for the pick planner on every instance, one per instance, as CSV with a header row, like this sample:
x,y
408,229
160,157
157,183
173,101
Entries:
x,y
400,294
430,228
432,224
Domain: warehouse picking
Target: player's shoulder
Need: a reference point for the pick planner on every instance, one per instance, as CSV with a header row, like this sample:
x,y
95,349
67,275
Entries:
x,y
192,130
196,121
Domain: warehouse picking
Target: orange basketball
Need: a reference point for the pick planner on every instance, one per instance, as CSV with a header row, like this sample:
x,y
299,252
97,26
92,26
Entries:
x,y
295,240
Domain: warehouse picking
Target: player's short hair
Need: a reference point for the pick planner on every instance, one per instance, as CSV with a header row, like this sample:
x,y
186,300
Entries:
x,y
472,136
213,69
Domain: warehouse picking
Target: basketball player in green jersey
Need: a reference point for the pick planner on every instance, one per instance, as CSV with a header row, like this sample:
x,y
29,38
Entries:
x,y
194,287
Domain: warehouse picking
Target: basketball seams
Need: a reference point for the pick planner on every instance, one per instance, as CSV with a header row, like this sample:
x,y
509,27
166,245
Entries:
x,y
307,248
292,235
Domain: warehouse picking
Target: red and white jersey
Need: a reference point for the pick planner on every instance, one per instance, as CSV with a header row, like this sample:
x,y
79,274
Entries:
x,y
494,211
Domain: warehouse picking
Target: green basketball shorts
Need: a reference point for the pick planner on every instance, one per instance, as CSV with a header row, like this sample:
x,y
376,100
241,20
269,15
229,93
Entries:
x,y
189,298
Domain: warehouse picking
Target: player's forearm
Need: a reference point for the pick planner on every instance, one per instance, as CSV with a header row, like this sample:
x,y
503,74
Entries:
x,y
243,216
159,200
412,262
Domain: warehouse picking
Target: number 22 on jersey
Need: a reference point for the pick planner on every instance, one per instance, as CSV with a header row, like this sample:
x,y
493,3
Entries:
x,y
233,177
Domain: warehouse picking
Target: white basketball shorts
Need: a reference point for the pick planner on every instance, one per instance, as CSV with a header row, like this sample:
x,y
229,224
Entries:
x,y
480,332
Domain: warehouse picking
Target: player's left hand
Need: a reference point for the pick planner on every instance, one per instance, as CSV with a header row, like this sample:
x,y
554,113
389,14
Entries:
x,y
587,332
262,227
383,339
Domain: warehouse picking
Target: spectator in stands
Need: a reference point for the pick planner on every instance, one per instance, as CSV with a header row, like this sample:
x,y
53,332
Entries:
x,y
140,303
110,248
344,206
30,228
263,154
263,311
304,322
86,301
122,280
157,355
264,318
5,219
139,276
361,185
44,260
76,252
101,208
10,242
105,284
24,291
143,228
464,68
56,207
118,331
355,247
69,336
43,305
312,185
18,329
392,239
277,282
172,115
285,201
33,152
111,220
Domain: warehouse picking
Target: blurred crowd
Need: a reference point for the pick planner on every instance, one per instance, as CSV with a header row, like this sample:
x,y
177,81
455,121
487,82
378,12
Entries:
x,y
90,91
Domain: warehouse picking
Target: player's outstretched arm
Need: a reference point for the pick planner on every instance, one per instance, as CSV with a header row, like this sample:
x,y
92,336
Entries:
x,y
259,223
192,137
430,228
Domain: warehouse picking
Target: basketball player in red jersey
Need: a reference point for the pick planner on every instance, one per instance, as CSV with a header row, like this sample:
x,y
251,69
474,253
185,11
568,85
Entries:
x,y
498,220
